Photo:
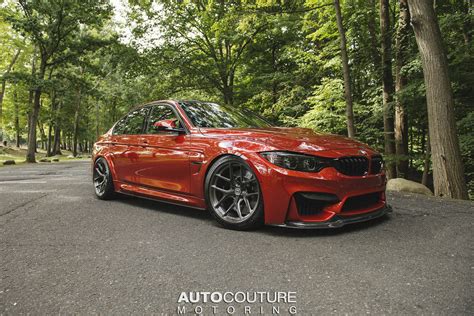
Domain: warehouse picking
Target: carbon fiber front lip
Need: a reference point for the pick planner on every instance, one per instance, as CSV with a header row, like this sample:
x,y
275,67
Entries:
x,y
339,221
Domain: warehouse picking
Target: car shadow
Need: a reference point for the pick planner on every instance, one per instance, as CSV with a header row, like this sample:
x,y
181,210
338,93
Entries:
x,y
179,210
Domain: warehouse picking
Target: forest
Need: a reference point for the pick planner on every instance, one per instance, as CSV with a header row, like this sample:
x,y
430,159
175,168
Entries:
x,y
395,74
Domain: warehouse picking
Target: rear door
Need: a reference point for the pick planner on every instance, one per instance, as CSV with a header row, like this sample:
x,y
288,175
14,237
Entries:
x,y
164,165
126,140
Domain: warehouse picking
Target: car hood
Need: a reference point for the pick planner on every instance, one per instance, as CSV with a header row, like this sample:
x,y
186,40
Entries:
x,y
290,139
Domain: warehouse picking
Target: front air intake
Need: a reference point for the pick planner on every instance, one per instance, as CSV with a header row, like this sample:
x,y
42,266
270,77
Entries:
x,y
312,203
360,202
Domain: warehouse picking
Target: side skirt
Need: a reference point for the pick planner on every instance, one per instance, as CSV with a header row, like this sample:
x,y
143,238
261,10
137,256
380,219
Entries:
x,y
166,197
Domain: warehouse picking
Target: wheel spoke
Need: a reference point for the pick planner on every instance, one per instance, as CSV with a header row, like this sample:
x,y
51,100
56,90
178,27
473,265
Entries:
x,y
229,209
102,168
222,177
100,184
239,211
220,189
252,194
231,172
222,200
247,203
99,171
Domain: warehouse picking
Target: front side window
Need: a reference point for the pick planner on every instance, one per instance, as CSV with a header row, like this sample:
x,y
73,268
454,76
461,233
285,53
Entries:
x,y
161,115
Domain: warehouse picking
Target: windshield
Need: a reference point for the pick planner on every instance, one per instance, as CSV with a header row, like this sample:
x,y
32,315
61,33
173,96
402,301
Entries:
x,y
204,114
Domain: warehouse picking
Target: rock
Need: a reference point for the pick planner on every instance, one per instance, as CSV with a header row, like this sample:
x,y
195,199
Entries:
x,y
79,157
55,159
403,185
9,162
70,157
44,160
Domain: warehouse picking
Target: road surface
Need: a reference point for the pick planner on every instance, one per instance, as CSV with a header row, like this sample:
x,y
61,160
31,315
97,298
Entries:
x,y
64,251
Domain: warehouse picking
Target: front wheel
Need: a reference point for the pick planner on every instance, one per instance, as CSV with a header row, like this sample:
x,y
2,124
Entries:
x,y
233,194
102,178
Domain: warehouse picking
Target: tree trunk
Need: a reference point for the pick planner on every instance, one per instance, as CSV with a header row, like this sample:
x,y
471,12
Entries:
x,y
466,8
49,140
448,173
275,70
52,122
30,155
426,164
42,135
97,121
387,88
228,88
57,141
373,36
2,91
31,93
17,118
401,121
346,72
57,132
76,123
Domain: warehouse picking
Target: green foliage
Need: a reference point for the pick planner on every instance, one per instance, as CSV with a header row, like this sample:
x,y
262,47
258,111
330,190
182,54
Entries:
x,y
327,113
278,58
466,141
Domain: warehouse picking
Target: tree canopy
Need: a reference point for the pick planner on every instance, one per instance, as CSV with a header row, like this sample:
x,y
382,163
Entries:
x,y
71,68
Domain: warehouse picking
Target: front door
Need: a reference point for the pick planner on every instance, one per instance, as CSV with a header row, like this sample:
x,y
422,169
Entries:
x,y
164,164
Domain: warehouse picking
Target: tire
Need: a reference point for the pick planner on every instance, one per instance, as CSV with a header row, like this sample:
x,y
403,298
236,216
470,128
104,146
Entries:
x,y
233,194
102,179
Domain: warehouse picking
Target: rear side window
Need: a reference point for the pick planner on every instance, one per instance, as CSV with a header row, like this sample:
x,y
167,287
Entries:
x,y
131,124
120,126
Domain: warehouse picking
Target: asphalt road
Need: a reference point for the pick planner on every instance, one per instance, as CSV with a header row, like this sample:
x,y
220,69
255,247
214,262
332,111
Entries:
x,y
64,251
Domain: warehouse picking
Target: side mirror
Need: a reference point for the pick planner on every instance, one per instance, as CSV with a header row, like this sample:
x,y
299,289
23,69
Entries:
x,y
168,126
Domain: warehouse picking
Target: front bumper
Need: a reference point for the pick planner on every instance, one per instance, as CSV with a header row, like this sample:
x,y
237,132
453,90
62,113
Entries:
x,y
342,197
338,221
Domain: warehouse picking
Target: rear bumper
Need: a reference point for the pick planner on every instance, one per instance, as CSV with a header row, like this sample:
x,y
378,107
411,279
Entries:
x,y
338,221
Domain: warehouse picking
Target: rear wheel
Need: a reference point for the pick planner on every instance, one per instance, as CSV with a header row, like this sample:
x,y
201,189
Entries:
x,y
102,177
233,194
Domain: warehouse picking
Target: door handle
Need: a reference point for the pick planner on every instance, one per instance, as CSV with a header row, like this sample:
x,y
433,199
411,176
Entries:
x,y
144,143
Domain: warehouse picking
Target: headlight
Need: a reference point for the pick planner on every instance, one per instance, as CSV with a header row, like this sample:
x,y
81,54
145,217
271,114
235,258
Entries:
x,y
297,162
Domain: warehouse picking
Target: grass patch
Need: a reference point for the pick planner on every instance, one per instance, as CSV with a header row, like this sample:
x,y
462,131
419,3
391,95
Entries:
x,y
19,154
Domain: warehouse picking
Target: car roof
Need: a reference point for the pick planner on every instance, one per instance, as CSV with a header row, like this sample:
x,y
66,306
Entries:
x,y
169,101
